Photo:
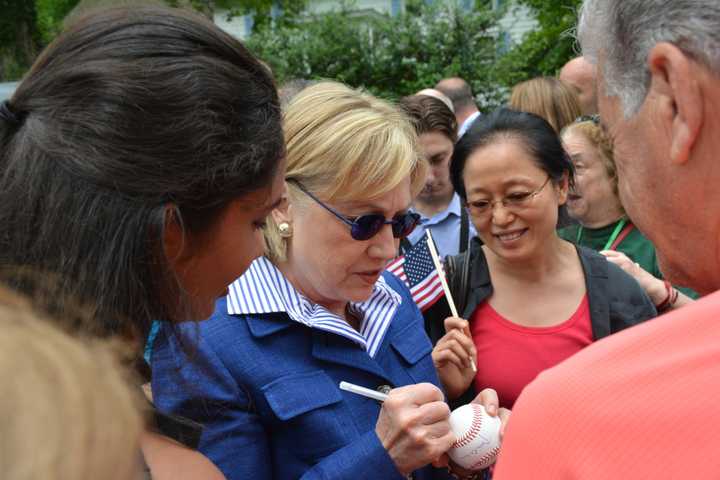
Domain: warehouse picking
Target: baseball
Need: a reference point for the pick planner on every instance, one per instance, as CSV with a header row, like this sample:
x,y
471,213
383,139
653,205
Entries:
x,y
478,437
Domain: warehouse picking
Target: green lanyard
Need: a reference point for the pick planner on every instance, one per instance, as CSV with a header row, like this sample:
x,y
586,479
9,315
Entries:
x,y
612,238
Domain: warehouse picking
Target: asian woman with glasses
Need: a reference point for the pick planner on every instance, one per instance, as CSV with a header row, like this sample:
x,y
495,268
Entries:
x,y
530,299
319,309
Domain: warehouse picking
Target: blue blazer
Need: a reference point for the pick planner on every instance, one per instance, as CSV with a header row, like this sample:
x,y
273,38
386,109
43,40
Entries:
x,y
266,389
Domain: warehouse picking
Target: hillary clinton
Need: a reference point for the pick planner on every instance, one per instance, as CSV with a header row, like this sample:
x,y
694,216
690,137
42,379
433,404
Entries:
x,y
262,373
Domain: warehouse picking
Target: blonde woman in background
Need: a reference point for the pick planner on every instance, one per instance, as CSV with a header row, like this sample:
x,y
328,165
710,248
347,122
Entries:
x,y
554,101
548,98
319,309
66,410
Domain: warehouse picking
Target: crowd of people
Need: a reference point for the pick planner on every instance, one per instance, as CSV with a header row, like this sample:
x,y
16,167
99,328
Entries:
x,y
193,258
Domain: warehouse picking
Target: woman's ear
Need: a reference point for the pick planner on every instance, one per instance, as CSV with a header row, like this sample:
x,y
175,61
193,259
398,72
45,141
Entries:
x,y
174,241
283,212
563,186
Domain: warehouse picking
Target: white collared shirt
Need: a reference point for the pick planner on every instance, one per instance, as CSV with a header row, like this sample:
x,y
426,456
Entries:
x,y
264,289
467,124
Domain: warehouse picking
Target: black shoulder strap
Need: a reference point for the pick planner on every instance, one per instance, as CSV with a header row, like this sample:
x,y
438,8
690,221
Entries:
x,y
464,229
458,271
405,245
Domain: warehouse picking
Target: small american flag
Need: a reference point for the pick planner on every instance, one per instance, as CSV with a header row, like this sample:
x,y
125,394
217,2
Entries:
x,y
417,270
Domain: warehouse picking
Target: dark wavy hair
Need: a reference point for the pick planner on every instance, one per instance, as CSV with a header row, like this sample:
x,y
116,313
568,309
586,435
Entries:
x,y
129,112
429,114
534,133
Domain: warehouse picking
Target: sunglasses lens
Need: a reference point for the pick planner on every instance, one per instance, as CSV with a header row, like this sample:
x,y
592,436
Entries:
x,y
405,224
366,226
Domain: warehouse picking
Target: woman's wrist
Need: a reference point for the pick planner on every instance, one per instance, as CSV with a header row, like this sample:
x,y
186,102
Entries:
x,y
658,293
671,296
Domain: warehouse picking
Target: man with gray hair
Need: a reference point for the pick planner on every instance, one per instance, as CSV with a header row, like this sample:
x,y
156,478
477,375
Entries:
x,y
645,403
459,92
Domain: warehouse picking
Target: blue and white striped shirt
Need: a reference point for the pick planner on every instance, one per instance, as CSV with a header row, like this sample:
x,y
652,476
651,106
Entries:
x,y
264,289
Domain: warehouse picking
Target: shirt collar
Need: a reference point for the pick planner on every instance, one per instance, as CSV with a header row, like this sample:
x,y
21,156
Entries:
x,y
264,289
467,124
453,208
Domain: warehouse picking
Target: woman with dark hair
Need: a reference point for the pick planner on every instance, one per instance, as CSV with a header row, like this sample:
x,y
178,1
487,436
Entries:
x,y
139,158
528,298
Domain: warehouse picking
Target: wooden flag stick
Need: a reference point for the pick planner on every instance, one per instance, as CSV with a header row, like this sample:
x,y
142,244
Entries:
x,y
446,289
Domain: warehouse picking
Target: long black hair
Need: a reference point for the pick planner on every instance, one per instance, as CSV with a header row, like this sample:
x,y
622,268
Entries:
x,y
129,112
535,134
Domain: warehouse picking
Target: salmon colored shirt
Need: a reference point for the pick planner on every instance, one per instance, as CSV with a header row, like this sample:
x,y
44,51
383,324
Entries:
x,y
513,355
641,404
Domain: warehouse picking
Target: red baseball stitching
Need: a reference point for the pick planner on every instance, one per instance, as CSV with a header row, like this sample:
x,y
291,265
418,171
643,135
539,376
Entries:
x,y
480,464
474,429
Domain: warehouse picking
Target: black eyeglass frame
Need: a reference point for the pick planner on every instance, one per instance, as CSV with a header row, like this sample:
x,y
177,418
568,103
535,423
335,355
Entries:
x,y
364,227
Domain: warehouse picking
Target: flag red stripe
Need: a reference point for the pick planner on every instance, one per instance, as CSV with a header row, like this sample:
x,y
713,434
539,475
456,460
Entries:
x,y
437,290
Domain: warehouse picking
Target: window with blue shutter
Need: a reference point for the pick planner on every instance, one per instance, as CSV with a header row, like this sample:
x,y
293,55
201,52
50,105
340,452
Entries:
x,y
395,7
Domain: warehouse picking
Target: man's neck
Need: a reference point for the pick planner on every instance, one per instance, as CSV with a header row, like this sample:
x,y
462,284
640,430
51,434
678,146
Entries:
x,y
433,206
464,115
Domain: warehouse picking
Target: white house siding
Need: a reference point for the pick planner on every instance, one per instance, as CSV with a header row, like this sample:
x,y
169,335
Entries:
x,y
517,22
238,27
241,26
382,6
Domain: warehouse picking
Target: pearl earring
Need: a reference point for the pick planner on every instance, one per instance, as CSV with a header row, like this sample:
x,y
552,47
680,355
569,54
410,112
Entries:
x,y
285,229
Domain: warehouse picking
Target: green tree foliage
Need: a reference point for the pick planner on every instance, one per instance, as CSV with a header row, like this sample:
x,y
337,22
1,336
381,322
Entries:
x,y
27,26
261,10
50,16
544,50
389,56
18,37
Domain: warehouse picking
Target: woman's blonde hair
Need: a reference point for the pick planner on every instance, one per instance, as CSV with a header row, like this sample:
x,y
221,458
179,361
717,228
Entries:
x,y
66,410
344,145
592,132
549,98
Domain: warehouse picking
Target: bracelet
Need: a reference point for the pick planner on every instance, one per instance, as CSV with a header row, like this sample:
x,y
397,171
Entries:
x,y
670,298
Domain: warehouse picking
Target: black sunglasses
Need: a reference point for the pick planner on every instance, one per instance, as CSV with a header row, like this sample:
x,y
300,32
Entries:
x,y
367,226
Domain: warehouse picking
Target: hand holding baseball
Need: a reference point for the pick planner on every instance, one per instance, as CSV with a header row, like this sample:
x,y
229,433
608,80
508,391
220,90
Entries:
x,y
414,426
477,435
453,356
486,448
488,398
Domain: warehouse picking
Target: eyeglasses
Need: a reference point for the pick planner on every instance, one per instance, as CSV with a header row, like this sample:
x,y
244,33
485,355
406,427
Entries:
x,y
367,226
514,201
594,118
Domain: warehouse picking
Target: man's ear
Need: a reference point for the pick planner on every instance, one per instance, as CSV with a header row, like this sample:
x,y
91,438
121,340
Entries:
x,y
674,82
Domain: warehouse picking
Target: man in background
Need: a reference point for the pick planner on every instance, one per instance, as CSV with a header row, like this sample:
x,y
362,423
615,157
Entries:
x,y
580,74
440,208
466,111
